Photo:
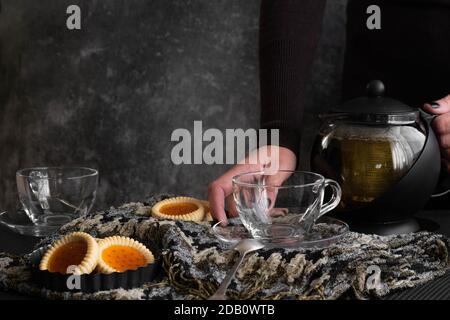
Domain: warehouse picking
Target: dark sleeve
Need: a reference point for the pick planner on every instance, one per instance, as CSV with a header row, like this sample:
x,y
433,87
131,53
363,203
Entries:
x,y
288,36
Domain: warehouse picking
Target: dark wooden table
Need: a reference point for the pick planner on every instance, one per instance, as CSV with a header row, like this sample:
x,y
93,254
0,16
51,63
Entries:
x,y
17,244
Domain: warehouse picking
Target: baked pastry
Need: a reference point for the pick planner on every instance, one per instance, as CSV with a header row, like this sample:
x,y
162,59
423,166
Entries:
x,y
119,254
208,215
179,208
77,249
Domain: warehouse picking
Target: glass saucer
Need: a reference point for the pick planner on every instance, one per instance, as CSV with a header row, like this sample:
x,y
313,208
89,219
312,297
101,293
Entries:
x,y
326,232
20,223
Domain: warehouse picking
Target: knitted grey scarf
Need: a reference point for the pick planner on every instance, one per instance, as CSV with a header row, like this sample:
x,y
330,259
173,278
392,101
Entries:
x,y
194,262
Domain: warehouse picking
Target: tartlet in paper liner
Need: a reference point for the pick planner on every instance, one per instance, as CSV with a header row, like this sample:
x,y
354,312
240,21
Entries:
x,y
120,254
93,282
77,251
179,208
208,216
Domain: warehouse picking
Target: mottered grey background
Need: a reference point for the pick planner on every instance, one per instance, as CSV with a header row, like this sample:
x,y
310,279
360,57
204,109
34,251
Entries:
x,y
109,95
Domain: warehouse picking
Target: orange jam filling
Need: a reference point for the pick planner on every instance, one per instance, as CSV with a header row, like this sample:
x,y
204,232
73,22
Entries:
x,y
178,209
70,254
123,258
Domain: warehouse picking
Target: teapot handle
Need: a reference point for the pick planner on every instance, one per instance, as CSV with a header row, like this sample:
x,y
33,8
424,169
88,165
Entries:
x,y
443,186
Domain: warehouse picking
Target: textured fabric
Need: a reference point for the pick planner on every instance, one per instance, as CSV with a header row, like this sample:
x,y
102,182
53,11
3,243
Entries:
x,y
194,262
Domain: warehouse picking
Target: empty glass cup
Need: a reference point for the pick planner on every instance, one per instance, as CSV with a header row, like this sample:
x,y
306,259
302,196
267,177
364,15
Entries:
x,y
282,207
56,195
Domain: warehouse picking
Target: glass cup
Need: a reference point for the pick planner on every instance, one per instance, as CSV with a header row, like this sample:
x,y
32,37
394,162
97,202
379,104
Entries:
x,y
56,195
282,207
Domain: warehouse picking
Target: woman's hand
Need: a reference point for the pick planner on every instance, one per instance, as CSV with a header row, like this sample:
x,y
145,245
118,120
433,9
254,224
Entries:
x,y
268,159
441,126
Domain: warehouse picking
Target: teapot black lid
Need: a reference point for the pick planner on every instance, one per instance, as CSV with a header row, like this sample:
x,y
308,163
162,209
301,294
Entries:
x,y
374,102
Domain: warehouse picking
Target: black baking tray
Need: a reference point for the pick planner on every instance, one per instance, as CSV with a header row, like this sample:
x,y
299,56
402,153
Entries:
x,y
94,282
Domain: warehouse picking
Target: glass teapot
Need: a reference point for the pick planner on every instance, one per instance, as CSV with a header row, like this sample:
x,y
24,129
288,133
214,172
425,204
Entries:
x,y
382,152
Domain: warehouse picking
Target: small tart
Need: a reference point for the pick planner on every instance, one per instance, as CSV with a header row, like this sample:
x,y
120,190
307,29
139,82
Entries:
x,y
76,249
179,208
208,215
119,254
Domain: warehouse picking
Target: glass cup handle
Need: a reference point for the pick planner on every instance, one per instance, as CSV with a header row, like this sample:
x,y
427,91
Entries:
x,y
335,198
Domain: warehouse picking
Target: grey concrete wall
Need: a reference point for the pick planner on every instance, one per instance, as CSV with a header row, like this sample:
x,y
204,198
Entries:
x,y
109,96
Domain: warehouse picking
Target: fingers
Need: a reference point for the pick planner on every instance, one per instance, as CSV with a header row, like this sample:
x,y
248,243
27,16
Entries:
x,y
441,126
444,141
231,206
219,191
439,106
216,198
221,188
271,194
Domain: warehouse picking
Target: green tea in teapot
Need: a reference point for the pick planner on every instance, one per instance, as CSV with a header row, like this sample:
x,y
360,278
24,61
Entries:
x,y
366,165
